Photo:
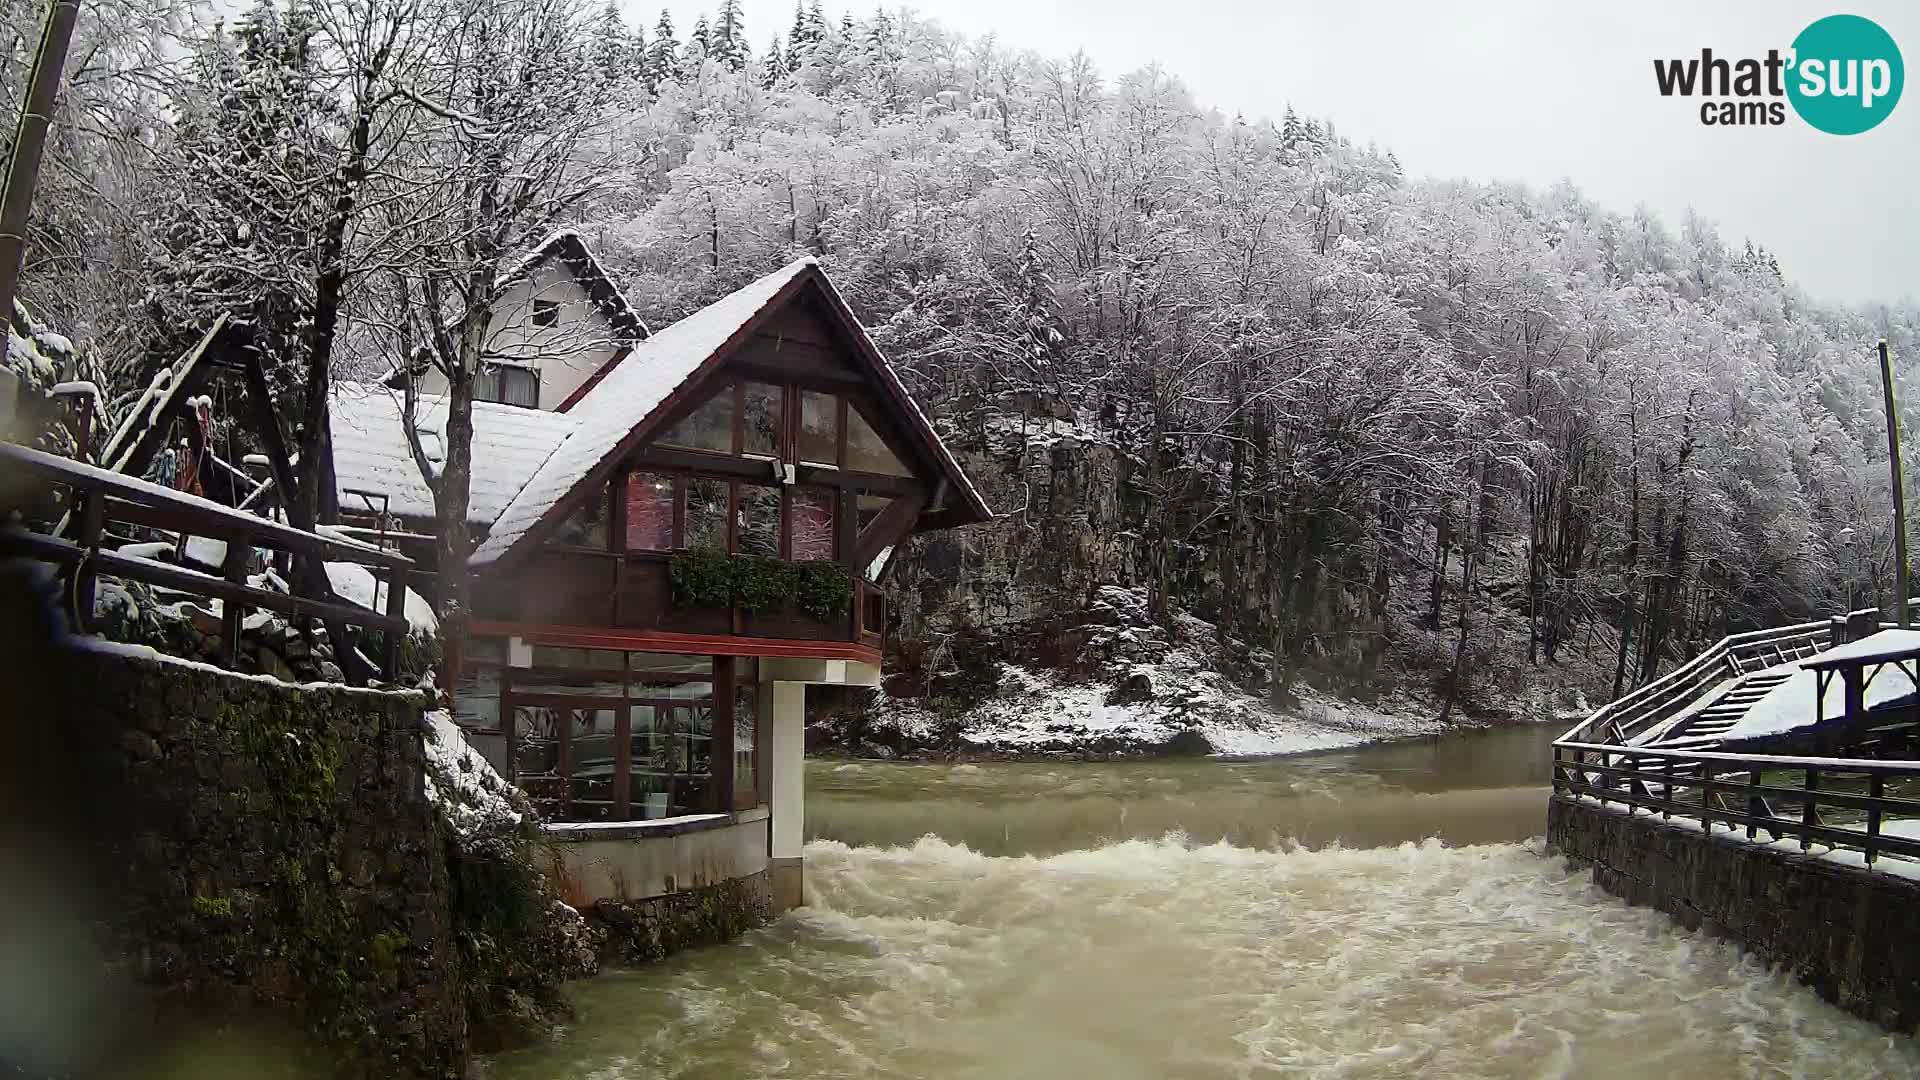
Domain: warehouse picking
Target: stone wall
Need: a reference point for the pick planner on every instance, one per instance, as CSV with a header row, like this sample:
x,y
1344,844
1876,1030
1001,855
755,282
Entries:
x,y
1851,934
642,931
271,852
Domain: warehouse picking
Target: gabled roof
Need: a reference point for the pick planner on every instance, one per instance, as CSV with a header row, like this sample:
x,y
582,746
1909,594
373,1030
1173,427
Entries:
x,y
569,250
633,395
370,451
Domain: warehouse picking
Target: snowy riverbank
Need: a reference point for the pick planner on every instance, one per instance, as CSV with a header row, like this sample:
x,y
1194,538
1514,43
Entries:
x,y
1176,706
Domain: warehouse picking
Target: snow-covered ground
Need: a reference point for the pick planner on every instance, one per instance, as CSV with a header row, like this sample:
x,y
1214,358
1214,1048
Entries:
x,y
1038,712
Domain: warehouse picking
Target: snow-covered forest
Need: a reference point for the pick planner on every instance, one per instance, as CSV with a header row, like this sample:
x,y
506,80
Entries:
x,y
1356,427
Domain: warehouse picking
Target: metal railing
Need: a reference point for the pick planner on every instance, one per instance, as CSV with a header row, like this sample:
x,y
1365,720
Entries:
x,y
1843,803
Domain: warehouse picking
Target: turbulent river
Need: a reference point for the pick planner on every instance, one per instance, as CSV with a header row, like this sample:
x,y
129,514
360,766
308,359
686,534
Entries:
x,y
1378,913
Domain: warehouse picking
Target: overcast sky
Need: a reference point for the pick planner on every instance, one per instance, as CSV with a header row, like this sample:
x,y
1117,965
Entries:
x,y
1516,91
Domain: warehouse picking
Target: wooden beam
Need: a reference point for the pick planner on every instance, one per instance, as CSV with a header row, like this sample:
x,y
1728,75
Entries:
x,y
232,613
890,527
599,637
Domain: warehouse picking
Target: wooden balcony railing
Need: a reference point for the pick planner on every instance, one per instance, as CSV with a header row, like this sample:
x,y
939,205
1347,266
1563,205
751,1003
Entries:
x,y
585,587
100,497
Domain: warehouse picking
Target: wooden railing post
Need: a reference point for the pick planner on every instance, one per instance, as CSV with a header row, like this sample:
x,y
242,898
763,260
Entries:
x,y
396,609
93,525
1756,808
232,612
1809,814
1876,790
1706,796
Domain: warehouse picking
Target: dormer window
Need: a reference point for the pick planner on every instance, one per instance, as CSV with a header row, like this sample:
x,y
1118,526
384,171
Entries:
x,y
508,384
546,312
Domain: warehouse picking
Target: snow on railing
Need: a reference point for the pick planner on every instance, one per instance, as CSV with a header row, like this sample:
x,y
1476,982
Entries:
x,y
1844,804
1630,714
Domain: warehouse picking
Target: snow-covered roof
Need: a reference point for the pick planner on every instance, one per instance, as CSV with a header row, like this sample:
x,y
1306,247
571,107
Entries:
x,y
629,391
1791,705
626,396
370,449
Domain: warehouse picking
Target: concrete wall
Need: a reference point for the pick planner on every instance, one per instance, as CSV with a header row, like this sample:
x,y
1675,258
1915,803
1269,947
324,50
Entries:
x,y
1851,934
640,860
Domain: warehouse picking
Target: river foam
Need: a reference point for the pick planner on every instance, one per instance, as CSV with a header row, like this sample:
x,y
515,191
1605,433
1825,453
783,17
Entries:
x,y
1162,958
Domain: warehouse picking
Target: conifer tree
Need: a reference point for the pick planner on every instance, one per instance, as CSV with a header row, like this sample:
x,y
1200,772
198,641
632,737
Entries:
x,y
774,66
727,40
699,44
797,37
663,56
251,151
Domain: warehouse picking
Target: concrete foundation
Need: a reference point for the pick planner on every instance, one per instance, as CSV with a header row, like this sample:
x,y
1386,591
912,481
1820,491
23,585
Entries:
x,y
1851,934
787,877
637,860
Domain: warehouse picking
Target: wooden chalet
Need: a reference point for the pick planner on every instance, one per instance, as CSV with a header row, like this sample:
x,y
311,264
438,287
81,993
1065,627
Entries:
x,y
672,550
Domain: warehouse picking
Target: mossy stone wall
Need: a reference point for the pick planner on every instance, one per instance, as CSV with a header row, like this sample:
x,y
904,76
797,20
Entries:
x,y
274,852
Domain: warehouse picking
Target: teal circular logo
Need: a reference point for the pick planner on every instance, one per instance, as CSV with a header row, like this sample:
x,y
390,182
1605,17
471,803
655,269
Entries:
x,y
1846,75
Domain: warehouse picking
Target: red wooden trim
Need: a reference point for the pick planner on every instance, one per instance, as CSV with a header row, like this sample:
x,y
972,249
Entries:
x,y
597,637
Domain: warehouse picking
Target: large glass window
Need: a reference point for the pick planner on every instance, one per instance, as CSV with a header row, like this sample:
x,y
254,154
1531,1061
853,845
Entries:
x,y
746,717
763,419
758,527
605,734
819,428
649,512
867,451
709,427
813,522
706,517
587,525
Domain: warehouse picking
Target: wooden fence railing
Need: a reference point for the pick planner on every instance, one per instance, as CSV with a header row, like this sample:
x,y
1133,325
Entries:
x,y
1844,803
1631,714
100,496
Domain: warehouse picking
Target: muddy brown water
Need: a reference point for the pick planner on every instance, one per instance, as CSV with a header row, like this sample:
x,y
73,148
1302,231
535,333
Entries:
x,y
1383,912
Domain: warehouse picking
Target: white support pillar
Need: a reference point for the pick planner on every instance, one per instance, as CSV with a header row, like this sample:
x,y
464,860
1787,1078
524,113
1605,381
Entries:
x,y
788,702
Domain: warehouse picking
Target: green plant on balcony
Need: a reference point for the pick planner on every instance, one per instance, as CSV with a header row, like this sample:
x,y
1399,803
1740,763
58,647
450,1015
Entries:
x,y
710,578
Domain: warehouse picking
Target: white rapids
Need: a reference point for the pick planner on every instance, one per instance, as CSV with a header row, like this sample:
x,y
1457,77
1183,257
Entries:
x,y
1161,959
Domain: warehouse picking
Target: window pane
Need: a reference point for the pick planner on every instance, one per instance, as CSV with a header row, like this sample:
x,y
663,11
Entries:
x,y
592,752
587,525
759,524
869,508
813,523
520,386
706,514
710,427
762,426
644,661
476,697
651,779
746,711
867,452
555,656
819,428
649,512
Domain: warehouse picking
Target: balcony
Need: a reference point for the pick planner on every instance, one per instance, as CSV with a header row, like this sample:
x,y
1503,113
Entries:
x,y
589,589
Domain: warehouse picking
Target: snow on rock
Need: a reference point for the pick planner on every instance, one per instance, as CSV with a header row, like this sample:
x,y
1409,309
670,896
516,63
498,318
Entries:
x,y
473,798
1176,700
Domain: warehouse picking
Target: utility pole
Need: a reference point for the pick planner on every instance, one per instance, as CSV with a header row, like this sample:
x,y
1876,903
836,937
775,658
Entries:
x,y
29,143
1899,490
